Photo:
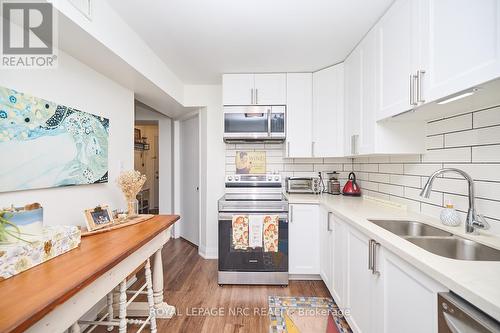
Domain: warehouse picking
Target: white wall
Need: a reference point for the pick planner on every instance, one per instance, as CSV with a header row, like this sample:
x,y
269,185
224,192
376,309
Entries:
x,y
76,85
165,152
212,157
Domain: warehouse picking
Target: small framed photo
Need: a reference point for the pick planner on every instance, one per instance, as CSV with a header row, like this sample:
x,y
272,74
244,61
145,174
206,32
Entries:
x,y
137,135
98,217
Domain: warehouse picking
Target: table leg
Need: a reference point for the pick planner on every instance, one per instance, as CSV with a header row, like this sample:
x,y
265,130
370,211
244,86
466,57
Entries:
x,y
163,309
123,307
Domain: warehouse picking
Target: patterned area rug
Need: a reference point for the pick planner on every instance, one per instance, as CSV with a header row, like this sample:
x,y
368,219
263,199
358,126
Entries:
x,y
305,314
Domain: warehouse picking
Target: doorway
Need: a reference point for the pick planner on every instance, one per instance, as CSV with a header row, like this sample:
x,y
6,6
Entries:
x,y
146,161
190,175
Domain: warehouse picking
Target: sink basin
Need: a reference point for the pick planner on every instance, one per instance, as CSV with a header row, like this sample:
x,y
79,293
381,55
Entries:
x,y
410,228
456,248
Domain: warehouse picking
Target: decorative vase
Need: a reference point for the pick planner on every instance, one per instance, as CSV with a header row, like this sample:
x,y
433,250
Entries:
x,y
132,208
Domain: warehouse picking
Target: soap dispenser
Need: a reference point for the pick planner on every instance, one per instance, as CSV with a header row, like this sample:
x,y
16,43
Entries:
x,y
449,216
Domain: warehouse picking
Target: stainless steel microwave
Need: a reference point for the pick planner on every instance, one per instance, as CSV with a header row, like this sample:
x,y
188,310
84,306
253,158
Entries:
x,y
255,123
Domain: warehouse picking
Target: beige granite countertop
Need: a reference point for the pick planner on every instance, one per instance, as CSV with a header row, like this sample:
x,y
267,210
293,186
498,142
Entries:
x,y
476,281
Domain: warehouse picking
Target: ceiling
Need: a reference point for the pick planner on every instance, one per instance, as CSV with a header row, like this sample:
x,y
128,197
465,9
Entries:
x,y
200,40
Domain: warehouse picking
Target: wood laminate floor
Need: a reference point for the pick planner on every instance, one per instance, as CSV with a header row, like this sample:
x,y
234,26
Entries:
x,y
203,306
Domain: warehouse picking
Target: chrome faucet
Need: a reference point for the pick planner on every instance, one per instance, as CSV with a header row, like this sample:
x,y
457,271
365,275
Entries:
x,y
474,220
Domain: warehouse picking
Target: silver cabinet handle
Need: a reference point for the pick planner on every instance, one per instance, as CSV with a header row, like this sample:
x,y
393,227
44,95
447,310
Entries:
x,y
256,96
420,73
291,214
354,144
370,254
288,149
412,90
329,226
268,121
251,96
375,245
312,148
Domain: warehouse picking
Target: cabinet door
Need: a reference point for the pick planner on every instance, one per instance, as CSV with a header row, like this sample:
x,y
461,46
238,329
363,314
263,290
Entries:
x,y
326,237
303,244
237,89
368,109
299,115
397,57
353,93
328,112
270,89
359,281
461,45
406,299
339,269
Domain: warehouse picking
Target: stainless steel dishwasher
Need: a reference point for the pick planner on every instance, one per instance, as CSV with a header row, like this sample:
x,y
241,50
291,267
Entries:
x,y
455,315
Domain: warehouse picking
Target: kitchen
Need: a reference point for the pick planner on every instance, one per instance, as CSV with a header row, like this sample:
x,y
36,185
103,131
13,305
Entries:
x,y
346,158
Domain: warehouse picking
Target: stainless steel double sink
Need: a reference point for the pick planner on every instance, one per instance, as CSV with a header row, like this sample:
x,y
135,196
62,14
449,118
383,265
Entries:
x,y
438,241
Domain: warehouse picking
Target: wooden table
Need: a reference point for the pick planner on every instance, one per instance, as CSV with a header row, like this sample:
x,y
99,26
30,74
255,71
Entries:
x,y
52,296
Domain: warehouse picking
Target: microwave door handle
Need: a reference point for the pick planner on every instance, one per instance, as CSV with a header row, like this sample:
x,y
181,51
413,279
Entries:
x,y
269,122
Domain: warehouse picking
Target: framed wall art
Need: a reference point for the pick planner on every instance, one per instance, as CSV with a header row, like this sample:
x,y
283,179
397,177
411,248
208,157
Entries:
x,y
46,144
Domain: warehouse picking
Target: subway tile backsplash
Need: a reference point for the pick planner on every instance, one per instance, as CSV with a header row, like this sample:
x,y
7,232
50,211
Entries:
x,y
469,141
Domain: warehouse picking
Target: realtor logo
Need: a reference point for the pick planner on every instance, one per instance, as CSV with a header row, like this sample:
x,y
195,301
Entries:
x,y
28,34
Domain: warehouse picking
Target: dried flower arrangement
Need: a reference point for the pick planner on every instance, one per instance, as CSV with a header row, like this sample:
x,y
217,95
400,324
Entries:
x,y
131,183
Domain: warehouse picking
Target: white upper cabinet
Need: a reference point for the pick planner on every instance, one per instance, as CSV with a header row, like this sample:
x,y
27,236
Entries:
x,y
366,143
460,45
328,112
238,89
299,115
270,89
353,93
254,89
396,35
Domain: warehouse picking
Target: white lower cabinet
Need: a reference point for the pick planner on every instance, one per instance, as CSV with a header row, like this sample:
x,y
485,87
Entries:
x,y
303,239
382,294
326,247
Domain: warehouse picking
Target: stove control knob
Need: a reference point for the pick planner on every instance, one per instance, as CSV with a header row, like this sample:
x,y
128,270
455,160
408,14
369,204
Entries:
x,y
237,178
269,178
229,178
276,178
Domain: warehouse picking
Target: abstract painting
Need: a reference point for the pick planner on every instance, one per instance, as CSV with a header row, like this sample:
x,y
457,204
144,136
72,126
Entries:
x,y
45,144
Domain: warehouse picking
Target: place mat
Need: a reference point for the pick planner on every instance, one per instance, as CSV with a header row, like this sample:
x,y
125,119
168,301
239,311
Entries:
x,y
117,225
308,314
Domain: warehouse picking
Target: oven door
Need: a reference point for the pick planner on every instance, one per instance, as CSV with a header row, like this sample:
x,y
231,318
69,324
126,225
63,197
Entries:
x,y
247,122
252,259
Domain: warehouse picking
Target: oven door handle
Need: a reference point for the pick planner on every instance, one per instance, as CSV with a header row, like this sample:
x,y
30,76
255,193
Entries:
x,y
229,217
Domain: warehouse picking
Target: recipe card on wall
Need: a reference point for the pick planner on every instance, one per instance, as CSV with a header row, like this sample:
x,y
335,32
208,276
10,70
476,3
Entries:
x,y
250,162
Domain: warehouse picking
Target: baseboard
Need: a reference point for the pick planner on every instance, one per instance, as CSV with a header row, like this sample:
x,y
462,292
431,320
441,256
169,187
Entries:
x,y
313,277
208,253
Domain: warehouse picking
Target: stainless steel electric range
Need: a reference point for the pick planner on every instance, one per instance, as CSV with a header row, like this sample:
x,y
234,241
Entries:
x,y
252,195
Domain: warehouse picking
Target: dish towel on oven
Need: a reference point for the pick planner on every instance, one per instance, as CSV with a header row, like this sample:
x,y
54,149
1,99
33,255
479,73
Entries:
x,y
240,232
271,223
255,226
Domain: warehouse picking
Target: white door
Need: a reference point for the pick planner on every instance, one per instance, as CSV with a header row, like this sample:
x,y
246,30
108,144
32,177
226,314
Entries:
x,y
238,89
359,281
353,95
299,115
397,55
303,243
461,45
326,237
339,263
270,89
328,112
189,155
368,109
406,299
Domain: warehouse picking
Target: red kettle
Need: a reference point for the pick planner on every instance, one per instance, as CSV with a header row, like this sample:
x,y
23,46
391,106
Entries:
x,y
351,187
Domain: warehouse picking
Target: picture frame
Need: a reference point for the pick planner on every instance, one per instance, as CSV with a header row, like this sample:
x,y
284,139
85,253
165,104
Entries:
x,y
98,217
137,135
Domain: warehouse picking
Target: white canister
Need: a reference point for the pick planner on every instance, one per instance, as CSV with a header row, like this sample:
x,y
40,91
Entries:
x,y
450,217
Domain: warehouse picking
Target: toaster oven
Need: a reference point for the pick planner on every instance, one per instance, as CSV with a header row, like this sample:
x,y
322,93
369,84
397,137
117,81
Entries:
x,y
303,185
